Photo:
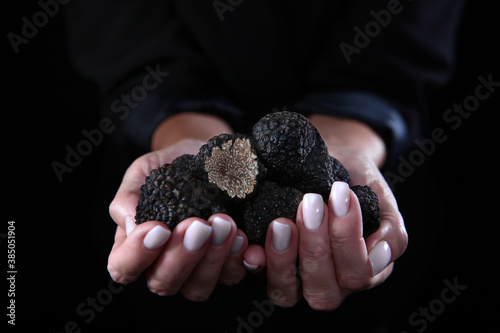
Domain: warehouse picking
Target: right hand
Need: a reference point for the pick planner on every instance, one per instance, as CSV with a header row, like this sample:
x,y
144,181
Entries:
x,y
173,261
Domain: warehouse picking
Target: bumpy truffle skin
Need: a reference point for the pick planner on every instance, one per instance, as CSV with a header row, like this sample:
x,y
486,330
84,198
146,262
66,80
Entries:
x,y
174,192
284,139
270,202
370,211
230,162
255,179
319,174
295,154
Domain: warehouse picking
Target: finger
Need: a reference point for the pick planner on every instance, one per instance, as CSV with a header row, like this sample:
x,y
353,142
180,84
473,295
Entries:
x,y
127,196
205,275
254,259
381,276
317,271
283,285
389,242
233,270
185,248
392,230
131,255
352,265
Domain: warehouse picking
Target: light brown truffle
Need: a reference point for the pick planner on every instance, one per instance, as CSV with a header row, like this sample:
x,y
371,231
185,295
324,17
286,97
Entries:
x,y
233,167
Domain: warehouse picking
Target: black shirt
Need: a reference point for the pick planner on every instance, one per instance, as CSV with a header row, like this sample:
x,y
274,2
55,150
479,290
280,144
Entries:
x,y
374,61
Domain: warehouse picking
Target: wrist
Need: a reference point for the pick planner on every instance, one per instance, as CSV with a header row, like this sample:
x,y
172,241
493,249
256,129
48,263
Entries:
x,y
347,137
188,126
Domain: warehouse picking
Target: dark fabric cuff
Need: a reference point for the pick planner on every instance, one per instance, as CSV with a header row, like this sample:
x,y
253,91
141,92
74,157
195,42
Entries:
x,y
138,123
366,107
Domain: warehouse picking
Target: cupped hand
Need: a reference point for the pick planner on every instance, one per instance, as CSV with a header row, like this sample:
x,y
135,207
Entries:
x,y
191,259
334,258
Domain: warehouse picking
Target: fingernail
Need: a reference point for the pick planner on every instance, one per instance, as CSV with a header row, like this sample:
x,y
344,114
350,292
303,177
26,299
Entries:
x,y
380,257
156,237
249,266
281,236
129,224
196,235
221,229
312,210
339,197
238,243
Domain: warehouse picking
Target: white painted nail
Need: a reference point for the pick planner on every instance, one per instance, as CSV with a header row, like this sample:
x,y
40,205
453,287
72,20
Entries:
x,y
129,224
340,198
312,210
380,257
196,235
281,236
156,237
249,266
221,229
238,243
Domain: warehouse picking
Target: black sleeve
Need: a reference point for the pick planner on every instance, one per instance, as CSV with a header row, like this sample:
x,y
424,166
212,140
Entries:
x,y
371,60
146,65
382,59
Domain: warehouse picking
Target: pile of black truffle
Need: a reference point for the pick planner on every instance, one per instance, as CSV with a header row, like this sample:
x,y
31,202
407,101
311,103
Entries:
x,y
254,178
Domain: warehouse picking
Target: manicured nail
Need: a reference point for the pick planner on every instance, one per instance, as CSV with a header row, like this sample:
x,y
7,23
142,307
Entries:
x,y
196,235
221,229
380,257
129,224
238,243
249,266
156,237
340,197
312,210
281,236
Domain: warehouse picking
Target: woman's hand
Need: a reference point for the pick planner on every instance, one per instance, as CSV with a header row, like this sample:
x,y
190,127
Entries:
x,y
334,258
191,259
197,253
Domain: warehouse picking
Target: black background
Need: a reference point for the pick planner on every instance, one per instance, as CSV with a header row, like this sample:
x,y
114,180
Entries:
x,y
449,202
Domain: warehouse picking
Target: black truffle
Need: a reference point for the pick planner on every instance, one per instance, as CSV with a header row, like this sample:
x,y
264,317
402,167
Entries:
x,y
284,140
230,162
255,179
370,211
295,154
270,202
174,192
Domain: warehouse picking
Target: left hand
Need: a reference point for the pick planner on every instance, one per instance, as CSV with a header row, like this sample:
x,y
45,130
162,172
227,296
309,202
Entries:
x,y
191,258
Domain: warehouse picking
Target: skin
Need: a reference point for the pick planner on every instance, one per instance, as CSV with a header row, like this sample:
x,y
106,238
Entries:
x,y
333,259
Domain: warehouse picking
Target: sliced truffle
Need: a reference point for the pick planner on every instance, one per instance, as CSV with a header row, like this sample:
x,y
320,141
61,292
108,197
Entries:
x,y
368,200
174,192
230,162
255,179
295,154
270,202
